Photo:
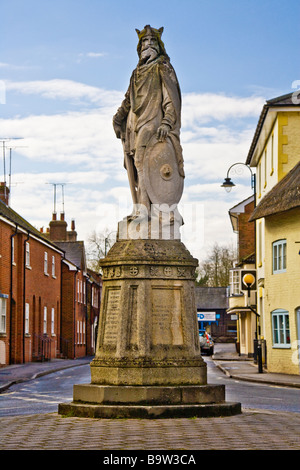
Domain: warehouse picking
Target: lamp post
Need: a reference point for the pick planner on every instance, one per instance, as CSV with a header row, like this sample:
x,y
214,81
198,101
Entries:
x,y
228,184
249,280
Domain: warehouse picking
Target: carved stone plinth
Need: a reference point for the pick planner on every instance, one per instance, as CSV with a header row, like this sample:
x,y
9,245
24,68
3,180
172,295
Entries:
x,y
148,360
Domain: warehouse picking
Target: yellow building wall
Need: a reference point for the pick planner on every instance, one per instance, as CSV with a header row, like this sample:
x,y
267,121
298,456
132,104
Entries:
x,y
282,290
288,142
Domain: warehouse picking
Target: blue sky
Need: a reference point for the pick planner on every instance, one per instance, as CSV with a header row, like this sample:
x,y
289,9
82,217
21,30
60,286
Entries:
x,y
65,66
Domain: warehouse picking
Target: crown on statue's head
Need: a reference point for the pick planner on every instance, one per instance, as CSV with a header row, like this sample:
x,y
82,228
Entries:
x,y
148,31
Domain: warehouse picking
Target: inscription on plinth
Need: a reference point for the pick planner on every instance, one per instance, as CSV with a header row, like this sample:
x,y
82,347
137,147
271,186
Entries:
x,y
166,316
112,306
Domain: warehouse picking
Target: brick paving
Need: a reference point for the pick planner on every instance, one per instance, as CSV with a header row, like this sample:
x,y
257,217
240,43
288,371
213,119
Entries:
x,y
251,430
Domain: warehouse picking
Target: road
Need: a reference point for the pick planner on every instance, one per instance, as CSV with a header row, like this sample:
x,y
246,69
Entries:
x,y
43,395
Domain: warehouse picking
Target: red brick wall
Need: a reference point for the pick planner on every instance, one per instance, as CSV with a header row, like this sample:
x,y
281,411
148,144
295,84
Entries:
x,y
246,233
40,290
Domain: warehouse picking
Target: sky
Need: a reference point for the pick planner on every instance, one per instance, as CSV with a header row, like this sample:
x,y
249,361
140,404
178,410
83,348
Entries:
x,y
65,66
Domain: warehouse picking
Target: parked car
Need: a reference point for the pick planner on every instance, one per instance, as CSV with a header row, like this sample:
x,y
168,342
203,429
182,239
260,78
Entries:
x,y
206,344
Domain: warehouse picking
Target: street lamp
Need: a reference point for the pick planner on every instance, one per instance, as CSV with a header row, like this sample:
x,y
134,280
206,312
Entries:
x,y
249,280
228,184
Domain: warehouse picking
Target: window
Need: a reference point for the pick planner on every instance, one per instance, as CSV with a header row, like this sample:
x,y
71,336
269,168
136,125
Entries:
x,y
2,315
265,184
27,254
13,250
26,319
279,256
53,266
281,328
52,322
45,320
77,331
78,290
272,155
235,282
45,262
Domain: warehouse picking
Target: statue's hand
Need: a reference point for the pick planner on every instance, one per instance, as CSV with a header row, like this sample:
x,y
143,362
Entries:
x,y
162,132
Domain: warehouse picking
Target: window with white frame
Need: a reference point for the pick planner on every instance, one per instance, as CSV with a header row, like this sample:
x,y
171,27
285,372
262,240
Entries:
x,y
77,331
53,266
45,262
27,254
83,328
279,256
235,282
281,328
3,301
52,321
13,249
45,321
78,290
26,319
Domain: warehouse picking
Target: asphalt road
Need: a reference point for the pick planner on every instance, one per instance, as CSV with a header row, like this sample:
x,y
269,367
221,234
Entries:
x,y
43,395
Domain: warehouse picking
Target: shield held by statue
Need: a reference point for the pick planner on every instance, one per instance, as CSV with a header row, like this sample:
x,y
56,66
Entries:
x,y
163,182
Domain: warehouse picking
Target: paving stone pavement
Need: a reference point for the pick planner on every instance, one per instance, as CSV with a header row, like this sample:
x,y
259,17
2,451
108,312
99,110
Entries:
x,y
251,430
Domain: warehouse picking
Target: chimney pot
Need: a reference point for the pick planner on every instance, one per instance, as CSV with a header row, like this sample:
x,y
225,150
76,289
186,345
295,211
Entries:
x,y
73,224
62,216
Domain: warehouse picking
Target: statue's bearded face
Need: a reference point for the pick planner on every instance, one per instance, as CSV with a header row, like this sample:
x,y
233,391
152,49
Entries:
x,y
149,48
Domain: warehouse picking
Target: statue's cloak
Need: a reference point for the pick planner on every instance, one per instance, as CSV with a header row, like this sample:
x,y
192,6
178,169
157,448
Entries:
x,y
153,98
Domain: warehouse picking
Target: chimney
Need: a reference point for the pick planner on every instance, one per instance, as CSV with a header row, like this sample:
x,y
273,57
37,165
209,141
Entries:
x,y
72,234
58,229
4,193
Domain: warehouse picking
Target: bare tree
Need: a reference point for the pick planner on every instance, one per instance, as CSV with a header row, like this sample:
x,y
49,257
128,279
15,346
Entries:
x,y
214,270
98,246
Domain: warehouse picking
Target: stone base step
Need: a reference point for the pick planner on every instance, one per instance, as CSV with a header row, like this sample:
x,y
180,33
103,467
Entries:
x,y
89,410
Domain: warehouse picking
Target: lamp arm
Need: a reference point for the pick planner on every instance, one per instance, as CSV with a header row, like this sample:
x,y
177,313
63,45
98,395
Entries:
x,y
239,164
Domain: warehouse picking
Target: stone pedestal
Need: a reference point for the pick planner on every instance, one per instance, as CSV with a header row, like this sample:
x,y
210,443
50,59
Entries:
x,y
148,361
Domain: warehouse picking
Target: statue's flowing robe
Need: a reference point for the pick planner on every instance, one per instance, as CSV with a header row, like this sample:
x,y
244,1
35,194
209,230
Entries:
x,y
153,98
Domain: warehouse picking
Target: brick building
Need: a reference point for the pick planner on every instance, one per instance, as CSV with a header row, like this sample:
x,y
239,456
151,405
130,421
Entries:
x,y
81,289
49,300
30,290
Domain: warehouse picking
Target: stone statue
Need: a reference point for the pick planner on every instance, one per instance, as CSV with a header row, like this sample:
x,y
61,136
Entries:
x,y
148,123
147,362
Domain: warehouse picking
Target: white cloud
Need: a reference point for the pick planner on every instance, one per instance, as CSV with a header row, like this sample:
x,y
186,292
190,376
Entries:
x,y
67,90
85,154
203,108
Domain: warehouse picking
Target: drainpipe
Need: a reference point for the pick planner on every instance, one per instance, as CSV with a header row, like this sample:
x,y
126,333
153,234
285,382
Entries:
x,y
11,292
24,293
